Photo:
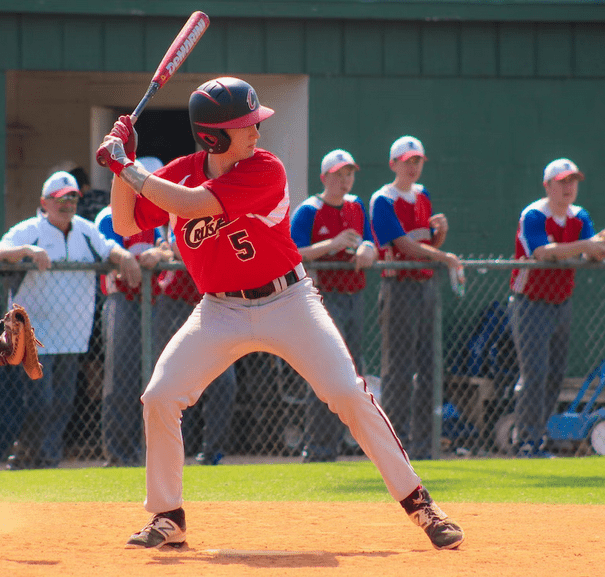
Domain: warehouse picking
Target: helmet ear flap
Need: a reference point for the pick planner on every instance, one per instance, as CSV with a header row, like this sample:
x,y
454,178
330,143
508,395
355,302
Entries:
x,y
212,140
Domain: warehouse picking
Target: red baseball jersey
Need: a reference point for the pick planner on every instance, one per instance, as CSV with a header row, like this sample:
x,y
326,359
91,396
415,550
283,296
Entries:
x,y
315,221
394,214
249,243
538,227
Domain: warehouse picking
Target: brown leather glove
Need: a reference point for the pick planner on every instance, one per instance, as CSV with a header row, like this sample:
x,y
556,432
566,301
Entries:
x,y
18,344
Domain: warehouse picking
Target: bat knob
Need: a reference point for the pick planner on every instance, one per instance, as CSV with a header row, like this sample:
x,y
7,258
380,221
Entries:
x,y
101,157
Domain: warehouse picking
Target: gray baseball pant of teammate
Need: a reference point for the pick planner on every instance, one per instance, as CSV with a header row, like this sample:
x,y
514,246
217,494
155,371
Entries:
x,y
407,311
121,411
292,324
541,332
323,429
219,399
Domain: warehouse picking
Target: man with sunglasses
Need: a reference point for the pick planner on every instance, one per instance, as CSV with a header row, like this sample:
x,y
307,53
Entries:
x,y
61,307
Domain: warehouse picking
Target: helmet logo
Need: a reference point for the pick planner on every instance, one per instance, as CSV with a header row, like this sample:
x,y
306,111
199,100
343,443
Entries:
x,y
209,139
252,100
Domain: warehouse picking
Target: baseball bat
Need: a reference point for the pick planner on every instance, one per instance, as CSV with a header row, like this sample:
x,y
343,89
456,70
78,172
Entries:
x,y
176,54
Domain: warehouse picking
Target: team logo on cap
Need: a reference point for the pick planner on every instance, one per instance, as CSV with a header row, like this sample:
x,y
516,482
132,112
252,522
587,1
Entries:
x,y
251,99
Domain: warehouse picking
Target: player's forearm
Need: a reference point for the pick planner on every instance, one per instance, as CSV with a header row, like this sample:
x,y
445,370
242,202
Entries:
x,y
420,250
123,199
180,200
316,250
562,250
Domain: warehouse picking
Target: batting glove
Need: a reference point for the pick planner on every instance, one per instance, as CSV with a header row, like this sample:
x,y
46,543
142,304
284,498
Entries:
x,y
112,154
124,130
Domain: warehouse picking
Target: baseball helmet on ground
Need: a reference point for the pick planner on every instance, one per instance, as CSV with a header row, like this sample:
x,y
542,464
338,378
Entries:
x,y
223,103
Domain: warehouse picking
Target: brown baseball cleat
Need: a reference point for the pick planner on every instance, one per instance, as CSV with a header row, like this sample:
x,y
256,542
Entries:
x,y
424,512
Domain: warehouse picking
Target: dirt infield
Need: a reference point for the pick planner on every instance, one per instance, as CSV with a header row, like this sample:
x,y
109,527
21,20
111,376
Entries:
x,y
240,539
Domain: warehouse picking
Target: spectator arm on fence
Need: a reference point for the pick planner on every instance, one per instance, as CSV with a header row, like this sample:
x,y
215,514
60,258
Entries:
x,y
593,248
15,254
424,251
130,270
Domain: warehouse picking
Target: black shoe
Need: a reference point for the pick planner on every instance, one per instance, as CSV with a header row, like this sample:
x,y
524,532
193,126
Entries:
x,y
17,463
208,458
424,512
163,529
318,455
530,451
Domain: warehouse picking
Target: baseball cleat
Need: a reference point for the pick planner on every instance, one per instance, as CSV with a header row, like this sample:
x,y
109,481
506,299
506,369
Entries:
x,y
163,529
424,512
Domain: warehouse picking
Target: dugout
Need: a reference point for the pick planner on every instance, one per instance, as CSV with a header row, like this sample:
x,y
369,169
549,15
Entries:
x,y
495,90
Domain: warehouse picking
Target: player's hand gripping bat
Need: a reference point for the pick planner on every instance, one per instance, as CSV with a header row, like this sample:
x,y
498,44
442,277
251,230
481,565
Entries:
x,y
180,48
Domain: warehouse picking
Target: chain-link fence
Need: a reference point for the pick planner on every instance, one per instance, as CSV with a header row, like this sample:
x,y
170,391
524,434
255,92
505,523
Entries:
x,y
460,386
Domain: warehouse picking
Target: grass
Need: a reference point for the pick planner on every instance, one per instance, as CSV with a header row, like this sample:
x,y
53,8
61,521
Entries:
x,y
563,481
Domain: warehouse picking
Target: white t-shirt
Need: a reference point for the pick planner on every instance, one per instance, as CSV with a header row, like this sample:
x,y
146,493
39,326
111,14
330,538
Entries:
x,y
60,303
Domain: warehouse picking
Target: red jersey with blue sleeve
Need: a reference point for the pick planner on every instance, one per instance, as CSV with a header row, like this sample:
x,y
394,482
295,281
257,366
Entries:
x,y
538,227
393,214
136,244
249,243
314,221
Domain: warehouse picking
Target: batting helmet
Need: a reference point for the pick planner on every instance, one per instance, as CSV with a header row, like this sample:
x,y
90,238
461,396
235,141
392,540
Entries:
x,y
223,103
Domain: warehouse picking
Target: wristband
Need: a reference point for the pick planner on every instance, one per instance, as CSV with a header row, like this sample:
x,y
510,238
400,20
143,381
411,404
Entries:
x,y
134,176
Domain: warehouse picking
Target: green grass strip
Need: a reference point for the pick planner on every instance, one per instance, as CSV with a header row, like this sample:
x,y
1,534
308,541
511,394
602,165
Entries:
x,y
573,480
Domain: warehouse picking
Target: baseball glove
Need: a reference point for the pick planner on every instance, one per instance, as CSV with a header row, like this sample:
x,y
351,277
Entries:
x,y
18,344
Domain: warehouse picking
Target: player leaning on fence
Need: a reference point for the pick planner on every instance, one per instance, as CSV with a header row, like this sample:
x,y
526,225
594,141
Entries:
x,y
550,229
233,233
405,228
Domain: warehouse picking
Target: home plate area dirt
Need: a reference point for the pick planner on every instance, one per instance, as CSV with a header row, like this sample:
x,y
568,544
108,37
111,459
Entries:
x,y
240,539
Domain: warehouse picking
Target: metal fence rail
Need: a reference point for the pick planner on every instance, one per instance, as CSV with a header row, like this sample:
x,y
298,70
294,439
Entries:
x,y
475,367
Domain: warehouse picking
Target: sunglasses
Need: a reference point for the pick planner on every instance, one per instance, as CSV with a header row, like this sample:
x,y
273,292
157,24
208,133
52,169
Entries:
x,y
70,197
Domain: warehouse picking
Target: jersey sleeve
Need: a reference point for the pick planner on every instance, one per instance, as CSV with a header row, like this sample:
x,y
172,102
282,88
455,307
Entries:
x,y
587,225
147,215
18,236
532,232
105,227
302,225
367,229
385,223
253,187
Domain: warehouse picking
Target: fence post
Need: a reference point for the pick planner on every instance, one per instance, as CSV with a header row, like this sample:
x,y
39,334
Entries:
x,y
146,328
437,368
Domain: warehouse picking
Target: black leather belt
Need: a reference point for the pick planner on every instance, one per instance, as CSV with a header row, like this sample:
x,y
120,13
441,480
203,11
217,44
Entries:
x,y
262,291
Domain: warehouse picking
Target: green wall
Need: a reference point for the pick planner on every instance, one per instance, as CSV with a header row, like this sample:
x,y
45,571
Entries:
x,y
492,100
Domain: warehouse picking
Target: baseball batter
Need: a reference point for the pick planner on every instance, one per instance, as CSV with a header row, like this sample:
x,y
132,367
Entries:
x,y
233,232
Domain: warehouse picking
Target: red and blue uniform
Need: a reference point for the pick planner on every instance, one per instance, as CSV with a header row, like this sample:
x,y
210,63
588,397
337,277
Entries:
x,y
246,246
538,227
395,214
136,244
315,221
406,302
